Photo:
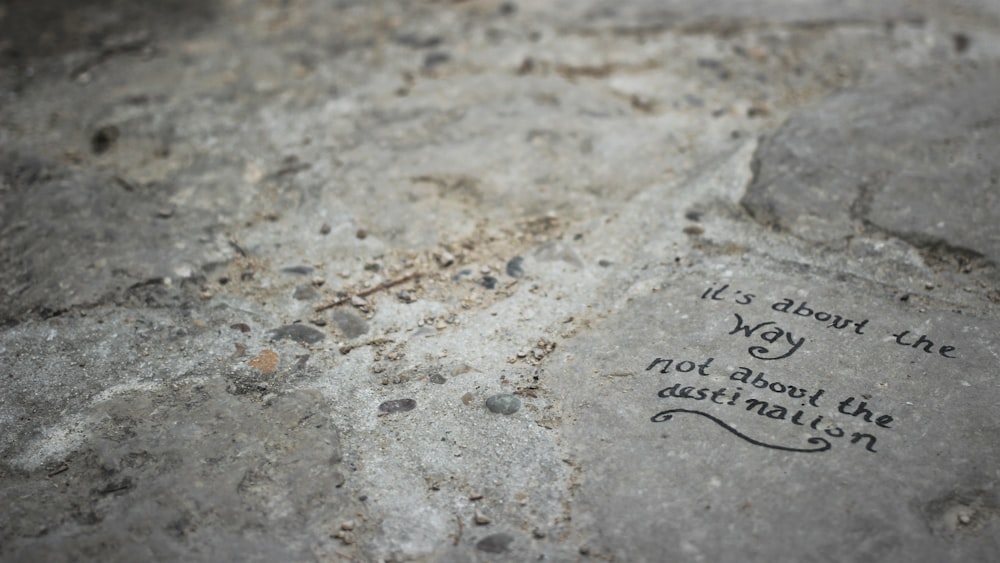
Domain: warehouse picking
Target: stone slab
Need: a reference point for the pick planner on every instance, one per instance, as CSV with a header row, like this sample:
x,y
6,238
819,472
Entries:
x,y
910,158
695,441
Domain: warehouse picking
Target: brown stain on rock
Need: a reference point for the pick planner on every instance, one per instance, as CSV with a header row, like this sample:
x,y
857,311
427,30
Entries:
x,y
266,362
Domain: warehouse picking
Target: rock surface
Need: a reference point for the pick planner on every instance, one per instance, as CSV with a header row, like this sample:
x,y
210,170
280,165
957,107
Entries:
x,y
264,264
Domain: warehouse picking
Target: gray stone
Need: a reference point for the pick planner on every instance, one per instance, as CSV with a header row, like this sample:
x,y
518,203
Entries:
x,y
397,405
305,293
495,543
752,419
297,332
910,159
298,270
351,324
515,267
503,403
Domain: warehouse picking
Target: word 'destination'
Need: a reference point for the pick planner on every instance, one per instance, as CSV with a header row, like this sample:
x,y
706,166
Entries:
x,y
787,403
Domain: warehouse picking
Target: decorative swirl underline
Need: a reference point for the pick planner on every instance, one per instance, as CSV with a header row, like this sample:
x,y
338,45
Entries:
x,y
669,414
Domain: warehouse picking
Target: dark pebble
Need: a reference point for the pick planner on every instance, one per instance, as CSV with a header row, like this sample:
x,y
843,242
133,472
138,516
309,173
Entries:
x,y
305,293
496,543
438,379
418,41
299,270
694,100
436,58
351,324
242,327
504,403
515,267
489,282
398,405
462,274
961,42
298,333
103,139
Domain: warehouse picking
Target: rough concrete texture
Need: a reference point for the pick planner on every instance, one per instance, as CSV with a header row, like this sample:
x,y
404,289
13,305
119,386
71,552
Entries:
x,y
263,264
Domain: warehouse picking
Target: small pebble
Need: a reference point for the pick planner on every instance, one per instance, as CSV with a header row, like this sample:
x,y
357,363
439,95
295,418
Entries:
x,y
467,398
503,403
496,543
436,58
347,526
103,139
481,519
445,259
298,270
305,293
398,405
489,282
515,267
350,324
325,229
961,42
297,332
